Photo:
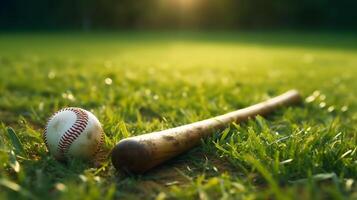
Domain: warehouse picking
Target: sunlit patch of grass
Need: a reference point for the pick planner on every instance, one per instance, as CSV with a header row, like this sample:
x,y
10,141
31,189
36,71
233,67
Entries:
x,y
137,83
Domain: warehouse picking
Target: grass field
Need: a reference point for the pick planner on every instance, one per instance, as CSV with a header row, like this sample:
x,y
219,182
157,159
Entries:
x,y
141,82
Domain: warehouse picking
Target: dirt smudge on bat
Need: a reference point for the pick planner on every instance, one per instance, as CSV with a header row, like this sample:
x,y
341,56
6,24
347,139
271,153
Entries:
x,y
171,139
151,144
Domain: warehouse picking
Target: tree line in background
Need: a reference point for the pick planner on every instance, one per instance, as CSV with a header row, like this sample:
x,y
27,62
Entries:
x,y
177,14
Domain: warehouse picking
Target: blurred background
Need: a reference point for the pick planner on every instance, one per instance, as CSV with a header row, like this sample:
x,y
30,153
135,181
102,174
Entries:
x,y
178,14
147,65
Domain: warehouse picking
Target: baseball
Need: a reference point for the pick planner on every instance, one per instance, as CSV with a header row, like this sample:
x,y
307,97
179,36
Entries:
x,y
73,132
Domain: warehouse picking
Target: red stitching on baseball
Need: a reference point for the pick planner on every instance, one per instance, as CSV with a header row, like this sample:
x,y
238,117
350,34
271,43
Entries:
x,y
45,137
74,132
101,140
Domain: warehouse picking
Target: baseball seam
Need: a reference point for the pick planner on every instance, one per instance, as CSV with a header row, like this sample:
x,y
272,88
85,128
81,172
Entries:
x,y
74,131
101,140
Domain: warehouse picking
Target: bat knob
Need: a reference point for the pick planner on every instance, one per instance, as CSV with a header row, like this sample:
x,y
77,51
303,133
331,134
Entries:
x,y
130,156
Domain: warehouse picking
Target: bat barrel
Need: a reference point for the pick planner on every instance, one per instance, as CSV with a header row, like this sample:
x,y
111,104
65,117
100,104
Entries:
x,y
141,153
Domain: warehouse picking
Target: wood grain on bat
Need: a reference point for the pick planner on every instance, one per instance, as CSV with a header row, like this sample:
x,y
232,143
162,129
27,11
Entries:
x,y
141,153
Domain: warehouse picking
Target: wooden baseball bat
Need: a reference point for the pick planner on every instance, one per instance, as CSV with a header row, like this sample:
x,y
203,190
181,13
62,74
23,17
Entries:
x,y
141,153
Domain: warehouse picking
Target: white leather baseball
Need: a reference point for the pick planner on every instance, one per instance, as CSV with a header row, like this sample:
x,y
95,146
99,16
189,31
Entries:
x,y
73,132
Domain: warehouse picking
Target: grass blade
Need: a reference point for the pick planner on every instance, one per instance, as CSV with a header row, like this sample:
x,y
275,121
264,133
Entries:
x,y
124,131
14,164
16,143
15,187
224,134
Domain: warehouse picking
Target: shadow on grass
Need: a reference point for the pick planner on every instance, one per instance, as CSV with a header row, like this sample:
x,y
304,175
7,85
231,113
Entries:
x,y
180,171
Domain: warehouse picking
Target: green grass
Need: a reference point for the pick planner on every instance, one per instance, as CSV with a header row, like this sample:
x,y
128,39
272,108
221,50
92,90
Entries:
x,y
162,80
